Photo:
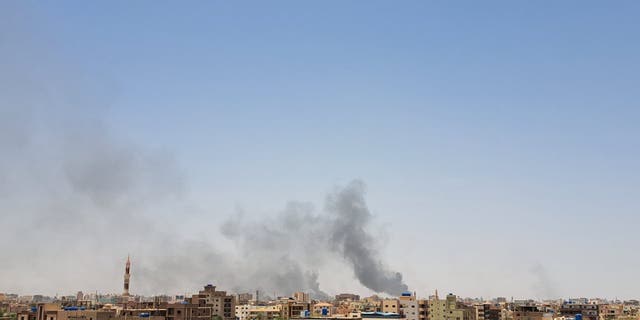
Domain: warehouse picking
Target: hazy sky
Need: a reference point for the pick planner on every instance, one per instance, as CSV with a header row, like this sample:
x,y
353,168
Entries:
x,y
499,141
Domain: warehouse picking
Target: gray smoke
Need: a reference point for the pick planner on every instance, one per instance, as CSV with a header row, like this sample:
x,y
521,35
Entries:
x,y
76,196
349,237
301,238
543,285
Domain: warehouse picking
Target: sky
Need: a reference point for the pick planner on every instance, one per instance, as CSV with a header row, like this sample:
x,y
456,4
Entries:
x,y
496,143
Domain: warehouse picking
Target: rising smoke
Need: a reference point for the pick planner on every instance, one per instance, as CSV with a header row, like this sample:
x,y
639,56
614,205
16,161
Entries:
x,y
76,197
300,238
543,285
350,238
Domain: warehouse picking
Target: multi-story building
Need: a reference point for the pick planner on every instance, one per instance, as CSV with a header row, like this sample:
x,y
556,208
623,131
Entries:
x,y
488,311
347,297
243,298
409,307
55,311
291,309
610,311
322,309
423,309
251,312
528,312
449,309
579,306
222,305
302,297
391,306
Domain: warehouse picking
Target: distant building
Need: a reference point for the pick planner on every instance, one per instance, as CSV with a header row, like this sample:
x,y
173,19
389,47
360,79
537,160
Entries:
x,y
222,305
322,309
579,306
243,298
390,306
302,296
54,311
291,309
423,309
610,311
449,309
347,297
409,306
488,311
529,312
251,312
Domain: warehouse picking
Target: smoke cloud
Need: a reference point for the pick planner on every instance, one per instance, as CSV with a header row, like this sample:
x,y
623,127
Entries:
x,y
76,196
295,243
543,285
350,217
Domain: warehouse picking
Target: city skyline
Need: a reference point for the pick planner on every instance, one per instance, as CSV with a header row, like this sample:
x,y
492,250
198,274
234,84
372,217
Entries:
x,y
488,149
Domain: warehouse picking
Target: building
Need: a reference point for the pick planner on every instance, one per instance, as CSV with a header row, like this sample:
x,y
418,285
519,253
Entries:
x,y
302,296
291,309
449,309
573,307
347,297
265,313
221,305
54,311
423,309
529,312
610,311
243,298
250,312
390,306
188,311
488,311
322,309
409,306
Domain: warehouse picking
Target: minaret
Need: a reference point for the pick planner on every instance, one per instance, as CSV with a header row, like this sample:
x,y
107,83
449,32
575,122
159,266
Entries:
x,y
127,276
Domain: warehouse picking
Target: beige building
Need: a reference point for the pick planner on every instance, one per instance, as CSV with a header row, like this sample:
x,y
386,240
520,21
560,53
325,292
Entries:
x,y
222,305
291,309
54,311
302,297
347,297
530,313
390,306
449,309
423,309
409,306
250,312
610,311
318,307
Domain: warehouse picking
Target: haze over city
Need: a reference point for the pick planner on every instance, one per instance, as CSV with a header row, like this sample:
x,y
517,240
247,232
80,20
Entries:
x,y
489,149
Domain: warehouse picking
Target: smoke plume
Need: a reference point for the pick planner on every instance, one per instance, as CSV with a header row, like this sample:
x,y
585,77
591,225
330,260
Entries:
x,y
349,238
299,237
543,285
76,196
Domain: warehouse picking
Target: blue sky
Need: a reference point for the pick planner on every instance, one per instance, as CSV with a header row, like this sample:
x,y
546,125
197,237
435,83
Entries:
x,y
493,136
